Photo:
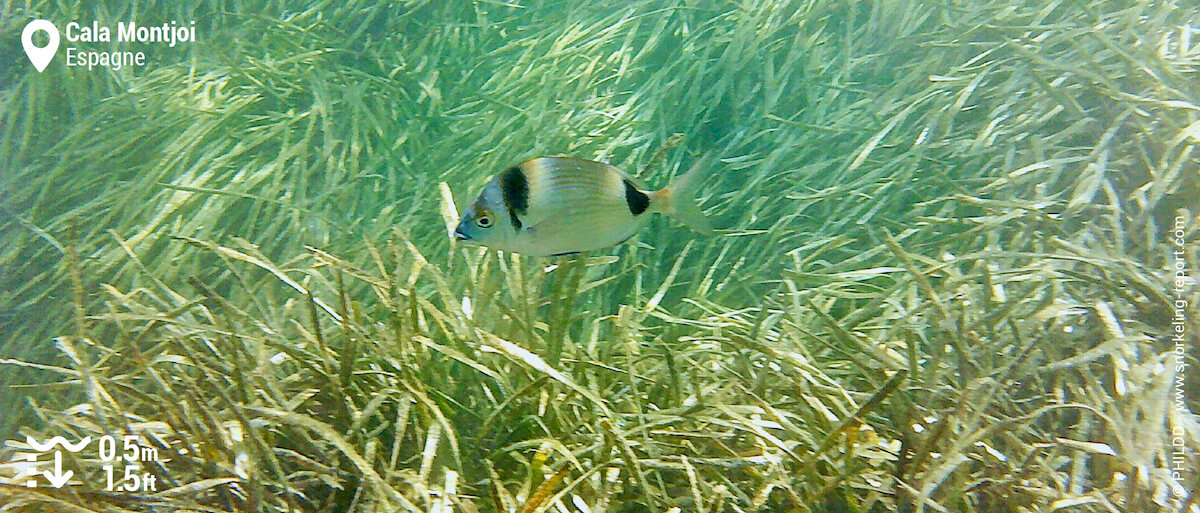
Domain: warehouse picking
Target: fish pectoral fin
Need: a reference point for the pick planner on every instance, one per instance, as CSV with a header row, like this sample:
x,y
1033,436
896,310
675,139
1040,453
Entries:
x,y
530,221
541,227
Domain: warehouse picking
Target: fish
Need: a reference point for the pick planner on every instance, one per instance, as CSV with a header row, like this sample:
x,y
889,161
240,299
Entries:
x,y
554,206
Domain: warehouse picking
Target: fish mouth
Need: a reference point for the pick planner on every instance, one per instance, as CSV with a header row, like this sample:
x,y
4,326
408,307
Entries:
x,y
460,236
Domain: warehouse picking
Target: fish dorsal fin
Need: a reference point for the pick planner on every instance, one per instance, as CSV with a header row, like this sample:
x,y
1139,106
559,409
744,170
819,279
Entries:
x,y
637,182
598,166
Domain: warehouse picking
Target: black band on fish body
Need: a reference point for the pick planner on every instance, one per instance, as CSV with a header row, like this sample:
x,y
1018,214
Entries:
x,y
514,190
637,200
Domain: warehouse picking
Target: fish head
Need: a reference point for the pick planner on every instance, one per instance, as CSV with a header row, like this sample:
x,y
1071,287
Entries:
x,y
486,222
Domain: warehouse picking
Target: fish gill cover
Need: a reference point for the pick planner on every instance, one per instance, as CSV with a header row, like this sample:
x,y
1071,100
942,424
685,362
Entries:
x,y
956,271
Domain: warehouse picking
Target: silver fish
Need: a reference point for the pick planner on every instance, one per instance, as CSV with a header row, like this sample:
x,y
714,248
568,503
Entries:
x,y
551,206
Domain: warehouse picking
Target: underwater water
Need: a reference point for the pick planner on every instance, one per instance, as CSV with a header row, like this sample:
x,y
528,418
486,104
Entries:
x,y
953,268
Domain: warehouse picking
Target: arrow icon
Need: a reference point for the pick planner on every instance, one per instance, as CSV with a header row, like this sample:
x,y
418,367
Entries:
x,y
57,478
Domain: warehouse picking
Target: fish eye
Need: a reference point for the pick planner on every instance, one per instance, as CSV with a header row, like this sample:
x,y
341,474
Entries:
x,y
483,221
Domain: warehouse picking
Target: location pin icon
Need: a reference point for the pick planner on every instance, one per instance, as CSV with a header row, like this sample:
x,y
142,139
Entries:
x,y
40,57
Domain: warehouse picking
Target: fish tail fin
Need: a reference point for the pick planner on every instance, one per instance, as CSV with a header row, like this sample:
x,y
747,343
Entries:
x,y
676,200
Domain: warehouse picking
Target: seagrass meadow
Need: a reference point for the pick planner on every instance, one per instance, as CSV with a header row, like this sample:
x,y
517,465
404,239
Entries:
x,y
945,278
